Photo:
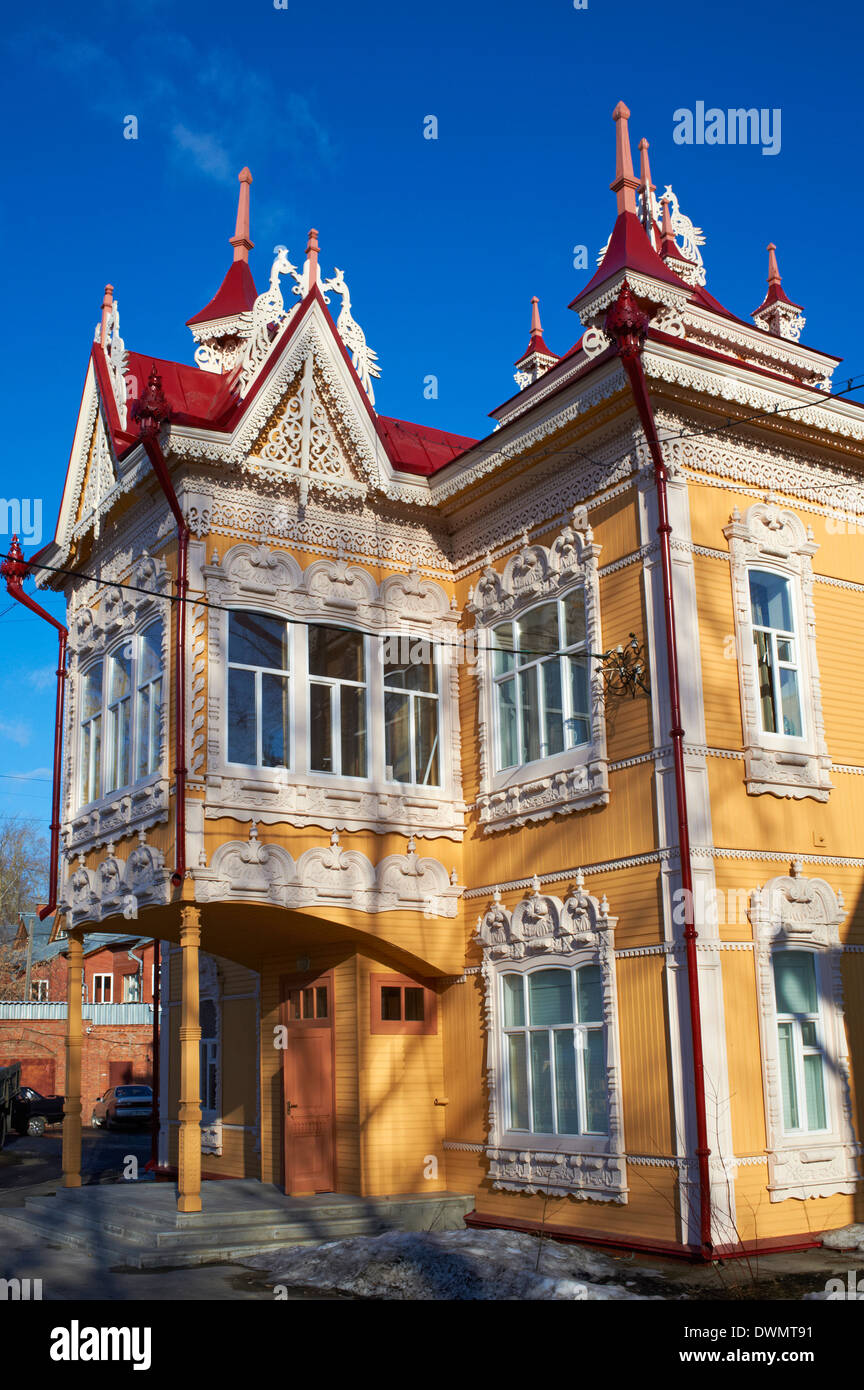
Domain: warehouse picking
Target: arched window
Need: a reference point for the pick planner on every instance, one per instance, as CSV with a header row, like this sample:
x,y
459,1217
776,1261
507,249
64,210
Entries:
x,y
258,690
541,682
555,1051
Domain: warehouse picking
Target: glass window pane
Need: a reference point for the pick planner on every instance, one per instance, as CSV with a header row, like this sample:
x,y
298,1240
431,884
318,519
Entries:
x,y
353,730
150,653
790,702
336,652
518,1073
589,994
574,618
553,707
275,733
508,735
414,1011
426,725
321,1001
92,695
795,982
538,633
596,1095
155,718
566,1092
391,1003
255,639
320,728
502,643
95,755
787,1076
579,727
514,1002
808,1035
122,731
814,1086
120,679
541,1083
530,714
293,1003
242,746
418,672
86,734
770,601
765,682
142,761
397,736
550,997
308,1003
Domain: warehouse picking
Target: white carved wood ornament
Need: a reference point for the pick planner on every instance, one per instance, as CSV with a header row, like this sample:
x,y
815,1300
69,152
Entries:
x,y
536,573
544,929
772,537
799,913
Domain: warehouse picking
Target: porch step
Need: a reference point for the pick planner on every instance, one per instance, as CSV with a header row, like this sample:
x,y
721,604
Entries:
x,y
141,1228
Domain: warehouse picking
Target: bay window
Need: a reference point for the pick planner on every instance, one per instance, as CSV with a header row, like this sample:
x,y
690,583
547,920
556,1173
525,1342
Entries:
x,y
258,690
337,701
541,682
800,1044
776,651
555,1051
120,717
411,719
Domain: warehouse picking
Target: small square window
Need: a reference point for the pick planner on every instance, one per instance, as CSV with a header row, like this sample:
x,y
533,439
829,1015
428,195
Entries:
x,y
401,1005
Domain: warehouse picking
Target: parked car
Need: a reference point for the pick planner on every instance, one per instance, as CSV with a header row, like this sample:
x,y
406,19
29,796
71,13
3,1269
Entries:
x,y
33,1112
123,1105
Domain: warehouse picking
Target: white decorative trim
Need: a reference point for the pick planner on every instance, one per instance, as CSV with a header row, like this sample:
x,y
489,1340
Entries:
x,y
115,886
772,537
543,929
791,911
251,871
573,780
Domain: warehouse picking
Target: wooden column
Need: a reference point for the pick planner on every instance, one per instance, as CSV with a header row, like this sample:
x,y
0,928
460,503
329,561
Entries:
x,y
72,1103
189,1160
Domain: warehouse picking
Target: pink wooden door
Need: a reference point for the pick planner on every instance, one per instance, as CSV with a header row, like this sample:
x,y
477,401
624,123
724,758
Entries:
x,y
307,1084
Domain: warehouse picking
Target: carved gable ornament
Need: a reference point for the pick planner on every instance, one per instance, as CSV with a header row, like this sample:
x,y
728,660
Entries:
x,y
535,571
115,887
773,536
542,924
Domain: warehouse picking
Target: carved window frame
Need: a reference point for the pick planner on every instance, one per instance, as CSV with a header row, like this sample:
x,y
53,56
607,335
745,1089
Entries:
x,y
332,594
578,777
773,539
543,932
792,912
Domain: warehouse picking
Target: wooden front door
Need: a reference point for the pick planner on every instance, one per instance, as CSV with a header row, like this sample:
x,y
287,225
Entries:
x,y
307,1084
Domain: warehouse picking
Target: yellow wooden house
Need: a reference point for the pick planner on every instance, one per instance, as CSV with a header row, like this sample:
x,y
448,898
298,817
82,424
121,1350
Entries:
x,y
502,821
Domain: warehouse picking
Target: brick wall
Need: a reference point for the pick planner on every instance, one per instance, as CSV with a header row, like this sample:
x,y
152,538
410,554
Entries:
x,y
42,1040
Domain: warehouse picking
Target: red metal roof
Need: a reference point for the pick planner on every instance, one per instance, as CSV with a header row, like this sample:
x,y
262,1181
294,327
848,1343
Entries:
x,y
419,448
196,397
629,249
236,294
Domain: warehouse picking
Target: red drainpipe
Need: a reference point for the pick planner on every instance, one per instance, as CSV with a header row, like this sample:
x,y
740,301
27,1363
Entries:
x,y
626,324
15,570
151,410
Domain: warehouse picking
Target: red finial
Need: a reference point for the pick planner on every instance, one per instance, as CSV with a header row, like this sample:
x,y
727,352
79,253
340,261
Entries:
x,y
536,327
107,306
14,568
645,166
773,272
668,246
240,240
151,408
625,184
312,258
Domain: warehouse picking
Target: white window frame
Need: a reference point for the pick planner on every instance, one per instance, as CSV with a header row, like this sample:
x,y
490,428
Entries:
x,y
258,672
132,987
103,994
105,783
39,991
800,1049
411,642
773,540
335,684
576,778
569,934
794,913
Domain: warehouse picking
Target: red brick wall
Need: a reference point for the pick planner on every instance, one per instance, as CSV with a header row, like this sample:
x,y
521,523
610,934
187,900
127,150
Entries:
x,y
116,962
107,1045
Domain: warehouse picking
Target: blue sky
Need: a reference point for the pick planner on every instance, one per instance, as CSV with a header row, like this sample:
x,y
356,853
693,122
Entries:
x,y
442,242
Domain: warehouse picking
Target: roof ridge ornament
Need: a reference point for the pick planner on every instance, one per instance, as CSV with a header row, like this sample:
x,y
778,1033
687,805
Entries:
x,y
625,184
537,357
240,240
777,313
107,335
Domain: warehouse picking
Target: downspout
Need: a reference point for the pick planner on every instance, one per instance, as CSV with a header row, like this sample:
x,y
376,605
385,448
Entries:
x,y
626,324
151,410
15,570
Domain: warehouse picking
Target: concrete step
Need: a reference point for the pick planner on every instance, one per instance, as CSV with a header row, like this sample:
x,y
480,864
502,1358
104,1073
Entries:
x,y
144,1229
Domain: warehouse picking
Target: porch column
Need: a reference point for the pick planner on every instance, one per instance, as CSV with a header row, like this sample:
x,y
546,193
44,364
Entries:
x,y
72,1103
189,1160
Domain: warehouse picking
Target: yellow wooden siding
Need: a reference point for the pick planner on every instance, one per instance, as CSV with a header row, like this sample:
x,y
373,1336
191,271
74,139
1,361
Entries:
x,y
645,1074
462,1026
743,1052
